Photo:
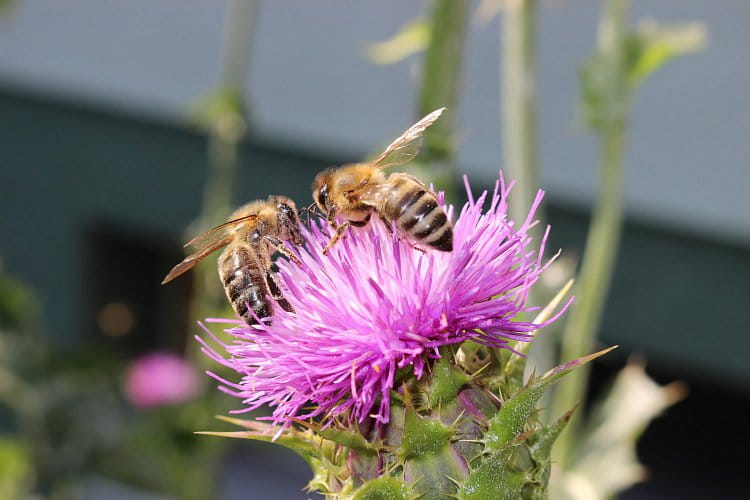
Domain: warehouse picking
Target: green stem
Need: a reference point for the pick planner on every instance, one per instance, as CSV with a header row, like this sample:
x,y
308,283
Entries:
x,y
441,81
518,111
238,36
603,240
225,135
518,116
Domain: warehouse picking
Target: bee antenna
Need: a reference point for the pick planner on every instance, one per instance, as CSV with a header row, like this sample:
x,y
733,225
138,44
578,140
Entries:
x,y
308,209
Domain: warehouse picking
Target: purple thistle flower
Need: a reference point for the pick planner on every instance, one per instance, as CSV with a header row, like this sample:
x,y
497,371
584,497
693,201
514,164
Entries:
x,y
375,306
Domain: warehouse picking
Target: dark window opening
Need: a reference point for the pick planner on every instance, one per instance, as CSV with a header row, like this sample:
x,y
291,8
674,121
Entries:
x,y
126,307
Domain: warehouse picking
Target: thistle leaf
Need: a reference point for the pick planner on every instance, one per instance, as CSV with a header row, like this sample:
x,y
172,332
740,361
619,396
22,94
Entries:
x,y
494,479
384,488
350,439
305,444
509,421
446,382
423,436
542,441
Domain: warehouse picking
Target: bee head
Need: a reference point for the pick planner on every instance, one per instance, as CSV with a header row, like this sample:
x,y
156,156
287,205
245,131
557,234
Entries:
x,y
289,222
321,190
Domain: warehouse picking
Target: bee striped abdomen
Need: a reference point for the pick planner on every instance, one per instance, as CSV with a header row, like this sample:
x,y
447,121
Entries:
x,y
418,214
244,284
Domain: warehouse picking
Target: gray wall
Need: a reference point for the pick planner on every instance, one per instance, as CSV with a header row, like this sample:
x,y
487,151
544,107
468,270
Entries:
x,y
311,85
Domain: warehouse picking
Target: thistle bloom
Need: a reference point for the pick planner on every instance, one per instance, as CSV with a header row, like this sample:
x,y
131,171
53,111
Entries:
x,y
375,307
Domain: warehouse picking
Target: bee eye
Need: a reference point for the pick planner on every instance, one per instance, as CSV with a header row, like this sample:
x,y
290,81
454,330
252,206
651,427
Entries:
x,y
285,209
323,196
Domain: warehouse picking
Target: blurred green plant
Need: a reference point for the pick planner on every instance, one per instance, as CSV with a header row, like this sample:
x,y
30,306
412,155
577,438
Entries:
x,y
518,106
6,5
519,137
442,37
622,60
18,309
16,470
412,38
64,420
225,116
606,462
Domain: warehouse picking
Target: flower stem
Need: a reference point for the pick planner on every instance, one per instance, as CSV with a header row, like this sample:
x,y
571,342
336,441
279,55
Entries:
x,y
606,225
226,131
441,80
518,111
518,117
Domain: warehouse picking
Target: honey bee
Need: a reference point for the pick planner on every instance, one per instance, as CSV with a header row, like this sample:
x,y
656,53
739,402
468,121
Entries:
x,y
251,235
355,191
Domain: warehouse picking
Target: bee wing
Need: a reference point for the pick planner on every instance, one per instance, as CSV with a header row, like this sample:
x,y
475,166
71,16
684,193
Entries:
x,y
217,233
373,195
192,259
206,243
408,144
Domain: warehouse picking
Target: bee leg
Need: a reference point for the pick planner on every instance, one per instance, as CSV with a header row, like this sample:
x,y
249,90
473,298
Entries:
x,y
360,223
273,288
336,236
415,247
283,249
388,224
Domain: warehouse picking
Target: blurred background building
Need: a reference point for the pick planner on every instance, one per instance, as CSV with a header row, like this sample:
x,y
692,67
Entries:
x,y
100,174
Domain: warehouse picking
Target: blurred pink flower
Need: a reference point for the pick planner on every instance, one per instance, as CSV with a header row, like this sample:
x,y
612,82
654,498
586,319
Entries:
x,y
159,379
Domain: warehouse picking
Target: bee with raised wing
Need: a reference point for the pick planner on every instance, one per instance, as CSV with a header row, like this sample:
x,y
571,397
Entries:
x,y
251,236
353,192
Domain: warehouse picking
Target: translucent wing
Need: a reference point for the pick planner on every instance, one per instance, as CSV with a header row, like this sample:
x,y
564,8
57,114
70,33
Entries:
x,y
206,243
191,260
407,145
204,239
372,195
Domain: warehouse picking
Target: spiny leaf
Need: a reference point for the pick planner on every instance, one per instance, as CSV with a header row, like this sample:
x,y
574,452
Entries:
x,y
515,412
384,488
540,448
543,440
252,425
423,436
350,439
446,381
438,473
300,445
493,479
304,444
